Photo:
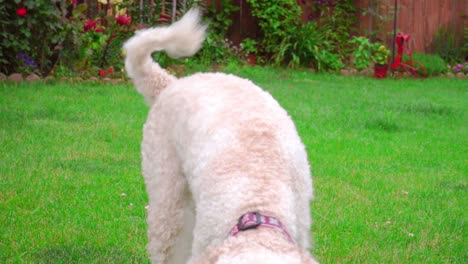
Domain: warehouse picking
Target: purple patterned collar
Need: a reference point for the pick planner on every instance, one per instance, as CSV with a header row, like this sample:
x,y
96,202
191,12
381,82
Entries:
x,y
254,220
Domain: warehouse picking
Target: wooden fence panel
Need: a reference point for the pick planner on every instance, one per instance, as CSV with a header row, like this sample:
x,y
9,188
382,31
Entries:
x,y
422,19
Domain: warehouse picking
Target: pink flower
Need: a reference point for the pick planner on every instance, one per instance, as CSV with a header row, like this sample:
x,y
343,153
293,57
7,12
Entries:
x,y
90,24
111,70
457,68
123,19
73,1
99,30
102,73
22,11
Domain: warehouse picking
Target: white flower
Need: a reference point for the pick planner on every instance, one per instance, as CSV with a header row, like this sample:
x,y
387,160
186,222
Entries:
x,y
116,2
119,11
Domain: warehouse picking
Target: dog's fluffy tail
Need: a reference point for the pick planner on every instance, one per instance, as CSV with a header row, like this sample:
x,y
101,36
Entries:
x,y
181,39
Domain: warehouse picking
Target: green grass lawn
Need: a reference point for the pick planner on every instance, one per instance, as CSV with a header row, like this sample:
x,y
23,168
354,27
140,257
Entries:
x,y
389,161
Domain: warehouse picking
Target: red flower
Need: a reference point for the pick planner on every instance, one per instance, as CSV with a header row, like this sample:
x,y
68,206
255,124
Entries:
x,y
163,18
73,1
102,73
90,24
99,30
111,70
123,19
22,11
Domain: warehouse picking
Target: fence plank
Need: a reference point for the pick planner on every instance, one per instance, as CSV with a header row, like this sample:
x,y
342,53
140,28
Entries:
x,y
422,19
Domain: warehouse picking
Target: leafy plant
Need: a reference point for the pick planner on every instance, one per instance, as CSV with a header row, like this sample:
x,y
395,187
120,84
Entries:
x,y
365,52
362,53
337,22
277,20
299,46
95,43
249,46
286,41
307,46
327,60
380,54
221,18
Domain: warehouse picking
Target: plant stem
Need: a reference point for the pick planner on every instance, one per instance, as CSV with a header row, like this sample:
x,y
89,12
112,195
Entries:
x,y
106,48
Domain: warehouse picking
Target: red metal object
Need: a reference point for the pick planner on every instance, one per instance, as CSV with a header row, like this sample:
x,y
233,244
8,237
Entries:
x,y
411,67
400,41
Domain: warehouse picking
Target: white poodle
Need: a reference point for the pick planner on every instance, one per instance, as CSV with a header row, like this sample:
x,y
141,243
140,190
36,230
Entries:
x,y
226,173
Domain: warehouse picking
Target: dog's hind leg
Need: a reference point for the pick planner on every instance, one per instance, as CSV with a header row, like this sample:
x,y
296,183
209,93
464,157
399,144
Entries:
x,y
181,251
167,194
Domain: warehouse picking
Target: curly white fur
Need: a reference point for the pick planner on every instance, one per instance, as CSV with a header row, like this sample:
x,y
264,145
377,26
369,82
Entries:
x,y
182,39
216,146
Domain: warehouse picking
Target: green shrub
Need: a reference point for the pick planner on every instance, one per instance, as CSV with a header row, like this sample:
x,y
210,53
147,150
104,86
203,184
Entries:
x,y
444,43
299,46
249,46
307,46
327,60
31,31
286,41
94,43
433,63
362,53
337,24
278,19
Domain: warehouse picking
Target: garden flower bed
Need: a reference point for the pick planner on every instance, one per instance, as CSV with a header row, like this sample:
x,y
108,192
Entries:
x,y
83,38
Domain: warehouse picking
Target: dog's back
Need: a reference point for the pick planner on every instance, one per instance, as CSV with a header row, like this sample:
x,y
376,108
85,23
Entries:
x,y
236,144
218,146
